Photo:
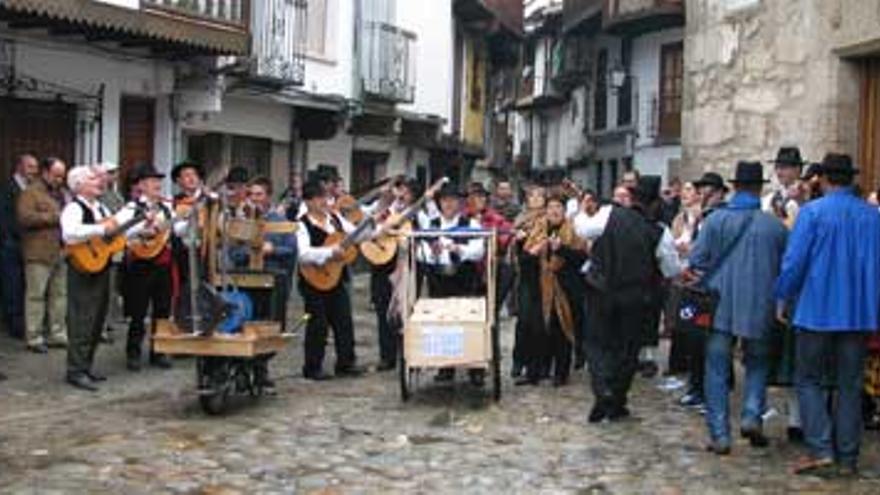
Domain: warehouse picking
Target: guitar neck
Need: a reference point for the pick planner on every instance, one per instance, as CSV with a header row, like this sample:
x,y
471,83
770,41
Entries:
x,y
361,227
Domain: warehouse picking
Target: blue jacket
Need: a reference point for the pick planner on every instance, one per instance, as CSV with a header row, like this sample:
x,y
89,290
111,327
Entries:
x,y
831,268
745,279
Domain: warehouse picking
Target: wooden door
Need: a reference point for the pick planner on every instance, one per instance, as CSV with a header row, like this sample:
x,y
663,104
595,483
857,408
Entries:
x,y
136,131
44,128
869,126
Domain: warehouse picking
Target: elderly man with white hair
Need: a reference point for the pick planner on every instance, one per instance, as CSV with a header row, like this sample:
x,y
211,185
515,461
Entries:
x,y
82,219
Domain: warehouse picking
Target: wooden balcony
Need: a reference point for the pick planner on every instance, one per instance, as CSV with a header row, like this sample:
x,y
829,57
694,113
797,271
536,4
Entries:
x,y
171,28
278,42
582,15
232,12
491,15
633,17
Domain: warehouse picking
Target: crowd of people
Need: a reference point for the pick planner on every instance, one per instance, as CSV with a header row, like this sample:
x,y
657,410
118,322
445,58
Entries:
x,y
791,272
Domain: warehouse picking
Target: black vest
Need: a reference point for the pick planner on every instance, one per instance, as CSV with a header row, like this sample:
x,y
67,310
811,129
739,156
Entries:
x,y
317,235
88,217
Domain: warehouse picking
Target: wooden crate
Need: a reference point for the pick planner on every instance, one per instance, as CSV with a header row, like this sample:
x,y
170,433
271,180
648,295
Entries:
x,y
257,338
448,332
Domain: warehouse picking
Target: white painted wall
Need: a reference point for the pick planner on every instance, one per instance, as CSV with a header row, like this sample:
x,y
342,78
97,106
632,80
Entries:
x,y
432,22
332,74
335,151
649,158
84,68
246,117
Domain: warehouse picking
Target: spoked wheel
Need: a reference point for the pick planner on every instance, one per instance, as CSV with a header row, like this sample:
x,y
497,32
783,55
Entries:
x,y
215,384
403,372
496,363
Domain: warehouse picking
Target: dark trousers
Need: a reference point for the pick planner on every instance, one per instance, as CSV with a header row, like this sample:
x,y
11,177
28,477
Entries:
x,y
271,304
612,350
325,309
146,284
834,434
694,342
87,298
560,349
380,290
12,290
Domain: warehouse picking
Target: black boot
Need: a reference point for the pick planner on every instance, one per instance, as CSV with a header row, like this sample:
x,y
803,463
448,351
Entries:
x,y
599,412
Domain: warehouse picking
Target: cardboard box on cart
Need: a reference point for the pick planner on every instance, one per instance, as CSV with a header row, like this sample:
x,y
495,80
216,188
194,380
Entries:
x,y
448,332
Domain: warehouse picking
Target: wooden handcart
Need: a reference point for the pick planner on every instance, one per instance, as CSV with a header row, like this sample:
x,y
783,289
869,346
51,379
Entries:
x,y
227,364
456,332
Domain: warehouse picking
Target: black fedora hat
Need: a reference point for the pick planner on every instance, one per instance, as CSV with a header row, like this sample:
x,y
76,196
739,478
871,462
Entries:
x,y
237,175
749,173
449,190
788,156
837,163
145,171
328,172
711,179
180,167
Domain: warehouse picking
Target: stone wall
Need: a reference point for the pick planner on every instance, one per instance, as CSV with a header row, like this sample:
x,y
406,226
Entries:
x,y
764,73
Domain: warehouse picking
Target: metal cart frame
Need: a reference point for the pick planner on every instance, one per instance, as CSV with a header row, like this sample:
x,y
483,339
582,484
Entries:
x,y
483,350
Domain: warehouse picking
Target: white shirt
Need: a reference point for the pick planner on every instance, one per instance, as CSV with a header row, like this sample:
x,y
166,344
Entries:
x,y
572,207
317,255
473,250
20,180
591,227
74,231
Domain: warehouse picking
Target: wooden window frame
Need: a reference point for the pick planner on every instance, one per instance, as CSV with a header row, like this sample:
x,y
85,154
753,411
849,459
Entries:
x,y
668,125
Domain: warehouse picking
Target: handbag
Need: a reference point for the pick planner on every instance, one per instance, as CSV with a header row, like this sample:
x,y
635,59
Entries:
x,y
697,304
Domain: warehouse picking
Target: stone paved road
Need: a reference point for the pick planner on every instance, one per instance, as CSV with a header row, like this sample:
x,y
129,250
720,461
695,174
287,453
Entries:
x,y
145,434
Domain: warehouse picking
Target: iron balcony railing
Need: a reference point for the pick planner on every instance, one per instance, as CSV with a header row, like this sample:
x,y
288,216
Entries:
x,y
278,33
388,62
235,12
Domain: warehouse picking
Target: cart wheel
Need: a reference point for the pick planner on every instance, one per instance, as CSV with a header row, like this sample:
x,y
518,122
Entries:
x,y
215,384
215,403
496,364
403,372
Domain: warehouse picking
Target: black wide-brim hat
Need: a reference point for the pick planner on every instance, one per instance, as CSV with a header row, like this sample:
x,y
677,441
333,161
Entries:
x,y
145,171
711,179
749,173
237,175
449,190
837,163
180,167
788,156
328,172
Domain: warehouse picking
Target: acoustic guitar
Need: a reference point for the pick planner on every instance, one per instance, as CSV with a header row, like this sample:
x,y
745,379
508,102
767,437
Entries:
x,y
381,250
325,277
92,255
147,248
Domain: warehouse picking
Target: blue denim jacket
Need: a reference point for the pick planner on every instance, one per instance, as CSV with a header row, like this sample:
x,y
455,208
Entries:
x,y
746,277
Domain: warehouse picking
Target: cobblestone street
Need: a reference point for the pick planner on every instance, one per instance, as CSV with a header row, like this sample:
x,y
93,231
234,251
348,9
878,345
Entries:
x,y
145,433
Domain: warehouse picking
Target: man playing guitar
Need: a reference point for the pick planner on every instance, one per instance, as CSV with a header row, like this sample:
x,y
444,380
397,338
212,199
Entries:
x,y
147,280
327,308
83,219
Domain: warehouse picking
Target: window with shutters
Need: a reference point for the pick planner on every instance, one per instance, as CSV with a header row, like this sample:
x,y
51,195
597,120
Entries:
x,y
671,80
